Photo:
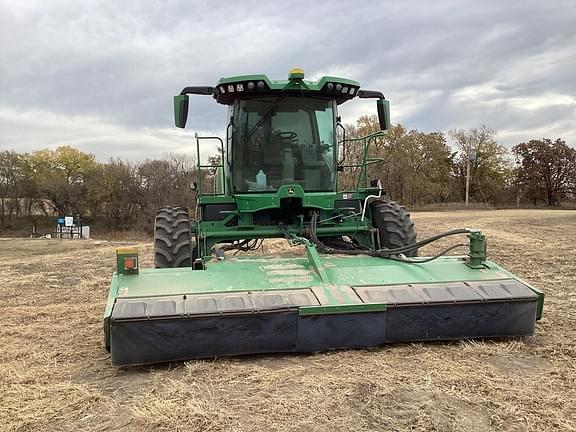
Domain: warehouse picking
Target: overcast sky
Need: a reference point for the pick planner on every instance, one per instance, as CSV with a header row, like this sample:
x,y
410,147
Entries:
x,y
100,75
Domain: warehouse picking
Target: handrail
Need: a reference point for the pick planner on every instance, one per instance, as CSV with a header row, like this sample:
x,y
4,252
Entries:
x,y
228,140
343,142
369,161
372,135
366,161
200,165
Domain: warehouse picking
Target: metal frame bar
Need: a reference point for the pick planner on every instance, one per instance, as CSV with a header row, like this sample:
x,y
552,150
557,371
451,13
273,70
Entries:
x,y
200,166
366,161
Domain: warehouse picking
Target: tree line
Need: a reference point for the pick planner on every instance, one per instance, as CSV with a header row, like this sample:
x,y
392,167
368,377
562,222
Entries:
x,y
421,168
118,194
418,168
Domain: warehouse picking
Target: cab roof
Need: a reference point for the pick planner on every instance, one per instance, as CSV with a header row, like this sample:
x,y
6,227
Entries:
x,y
241,86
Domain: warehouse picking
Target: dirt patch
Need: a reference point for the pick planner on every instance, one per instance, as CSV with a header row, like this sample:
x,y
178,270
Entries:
x,y
55,374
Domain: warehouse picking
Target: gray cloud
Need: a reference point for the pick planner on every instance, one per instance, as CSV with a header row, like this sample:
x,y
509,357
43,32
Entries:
x,y
100,74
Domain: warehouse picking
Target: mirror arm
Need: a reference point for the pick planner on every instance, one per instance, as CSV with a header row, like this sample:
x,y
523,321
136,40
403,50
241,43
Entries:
x,y
203,90
382,104
370,94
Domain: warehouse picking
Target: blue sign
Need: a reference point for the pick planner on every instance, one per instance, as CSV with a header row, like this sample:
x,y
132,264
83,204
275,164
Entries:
x,y
61,221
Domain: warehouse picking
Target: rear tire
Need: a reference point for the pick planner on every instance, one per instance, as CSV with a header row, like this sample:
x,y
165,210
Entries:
x,y
395,227
173,242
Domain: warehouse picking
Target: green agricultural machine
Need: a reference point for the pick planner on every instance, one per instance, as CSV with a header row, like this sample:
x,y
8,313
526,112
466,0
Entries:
x,y
358,282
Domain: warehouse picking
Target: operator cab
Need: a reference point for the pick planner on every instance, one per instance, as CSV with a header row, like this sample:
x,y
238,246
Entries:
x,y
283,140
280,133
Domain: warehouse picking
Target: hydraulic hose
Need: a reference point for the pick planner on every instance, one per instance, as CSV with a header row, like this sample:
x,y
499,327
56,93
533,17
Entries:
x,y
387,253
323,247
424,242
425,260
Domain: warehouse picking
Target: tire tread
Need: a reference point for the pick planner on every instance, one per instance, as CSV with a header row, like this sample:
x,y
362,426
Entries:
x,y
173,242
395,227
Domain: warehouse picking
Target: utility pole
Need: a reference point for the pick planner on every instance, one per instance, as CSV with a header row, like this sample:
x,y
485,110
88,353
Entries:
x,y
471,157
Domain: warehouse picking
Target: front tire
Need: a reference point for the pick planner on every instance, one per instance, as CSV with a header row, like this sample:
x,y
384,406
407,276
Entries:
x,y
173,242
395,227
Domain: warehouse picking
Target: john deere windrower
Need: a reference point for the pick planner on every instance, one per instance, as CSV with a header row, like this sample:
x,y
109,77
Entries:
x,y
360,282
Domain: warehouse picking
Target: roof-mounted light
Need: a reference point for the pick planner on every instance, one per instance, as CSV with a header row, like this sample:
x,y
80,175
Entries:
x,y
296,74
347,91
231,90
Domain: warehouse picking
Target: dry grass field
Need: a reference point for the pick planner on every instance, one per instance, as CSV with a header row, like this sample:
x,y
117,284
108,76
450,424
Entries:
x,y
55,374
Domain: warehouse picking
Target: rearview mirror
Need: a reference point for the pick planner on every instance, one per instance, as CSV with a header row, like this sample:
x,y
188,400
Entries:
x,y
180,110
383,114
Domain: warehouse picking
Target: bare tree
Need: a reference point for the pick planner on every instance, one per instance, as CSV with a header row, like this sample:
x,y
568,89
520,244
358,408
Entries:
x,y
488,162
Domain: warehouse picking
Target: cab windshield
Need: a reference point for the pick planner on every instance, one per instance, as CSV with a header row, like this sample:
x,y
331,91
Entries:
x,y
283,140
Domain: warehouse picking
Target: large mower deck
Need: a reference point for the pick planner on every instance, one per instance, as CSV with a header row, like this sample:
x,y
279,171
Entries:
x,y
307,304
